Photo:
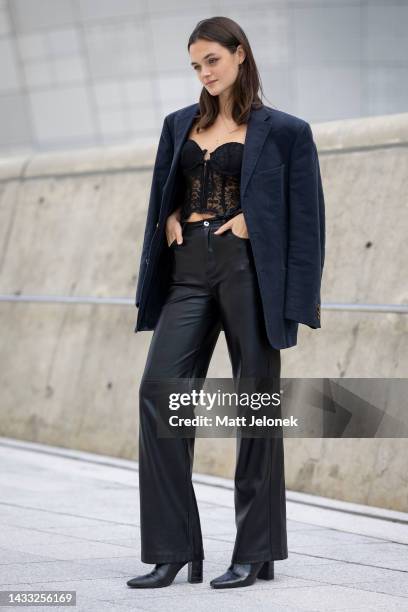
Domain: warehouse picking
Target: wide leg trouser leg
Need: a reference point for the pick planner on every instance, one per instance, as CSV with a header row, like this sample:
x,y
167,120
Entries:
x,y
213,282
260,502
181,347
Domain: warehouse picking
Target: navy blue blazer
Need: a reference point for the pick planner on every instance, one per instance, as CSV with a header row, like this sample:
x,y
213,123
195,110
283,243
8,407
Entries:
x,y
282,200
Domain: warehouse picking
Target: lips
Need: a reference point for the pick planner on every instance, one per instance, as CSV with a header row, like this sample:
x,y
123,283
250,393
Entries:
x,y
211,82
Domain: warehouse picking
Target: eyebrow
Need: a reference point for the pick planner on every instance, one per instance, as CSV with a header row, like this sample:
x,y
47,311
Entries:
x,y
205,57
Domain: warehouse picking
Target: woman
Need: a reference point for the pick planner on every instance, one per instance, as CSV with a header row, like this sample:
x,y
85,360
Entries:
x,y
234,240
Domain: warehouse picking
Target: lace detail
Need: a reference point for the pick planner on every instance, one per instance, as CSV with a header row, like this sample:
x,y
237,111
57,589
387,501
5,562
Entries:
x,y
211,185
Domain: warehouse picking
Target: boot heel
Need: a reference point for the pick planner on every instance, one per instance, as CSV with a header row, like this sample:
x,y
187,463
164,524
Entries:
x,y
195,571
266,571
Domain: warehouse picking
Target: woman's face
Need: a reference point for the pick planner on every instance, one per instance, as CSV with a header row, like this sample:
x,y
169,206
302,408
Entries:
x,y
213,62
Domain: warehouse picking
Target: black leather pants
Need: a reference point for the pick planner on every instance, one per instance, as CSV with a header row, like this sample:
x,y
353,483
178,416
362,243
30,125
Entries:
x,y
213,282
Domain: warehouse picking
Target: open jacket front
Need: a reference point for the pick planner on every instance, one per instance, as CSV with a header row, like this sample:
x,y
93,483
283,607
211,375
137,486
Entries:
x,y
283,204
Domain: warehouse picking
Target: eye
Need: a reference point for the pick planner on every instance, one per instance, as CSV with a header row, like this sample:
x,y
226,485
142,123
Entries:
x,y
212,60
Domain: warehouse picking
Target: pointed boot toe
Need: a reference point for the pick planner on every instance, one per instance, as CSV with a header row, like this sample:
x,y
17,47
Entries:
x,y
163,575
242,574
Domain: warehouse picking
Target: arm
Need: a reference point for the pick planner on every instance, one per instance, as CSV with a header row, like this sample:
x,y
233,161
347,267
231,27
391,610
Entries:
x,y
306,245
161,170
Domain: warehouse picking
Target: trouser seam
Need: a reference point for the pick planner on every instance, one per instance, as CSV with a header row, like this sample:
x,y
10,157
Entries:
x,y
189,531
269,493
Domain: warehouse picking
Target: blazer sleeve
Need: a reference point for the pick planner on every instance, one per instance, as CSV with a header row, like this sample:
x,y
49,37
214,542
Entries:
x,y
161,171
306,240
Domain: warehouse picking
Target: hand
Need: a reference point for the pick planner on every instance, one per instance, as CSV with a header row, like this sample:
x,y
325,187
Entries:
x,y
173,228
237,225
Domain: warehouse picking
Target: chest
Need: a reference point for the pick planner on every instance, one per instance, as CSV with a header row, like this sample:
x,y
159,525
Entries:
x,y
213,137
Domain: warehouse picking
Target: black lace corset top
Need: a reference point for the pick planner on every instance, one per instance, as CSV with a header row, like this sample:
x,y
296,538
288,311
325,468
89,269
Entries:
x,y
211,185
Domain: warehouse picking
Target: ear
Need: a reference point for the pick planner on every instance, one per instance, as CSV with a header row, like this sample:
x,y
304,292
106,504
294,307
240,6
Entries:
x,y
241,53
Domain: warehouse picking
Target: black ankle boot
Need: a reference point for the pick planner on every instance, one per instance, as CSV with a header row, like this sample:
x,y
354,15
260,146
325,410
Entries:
x,y
163,574
266,572
243,574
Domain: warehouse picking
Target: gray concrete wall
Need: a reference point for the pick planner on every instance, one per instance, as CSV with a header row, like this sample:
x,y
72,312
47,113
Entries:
x,y
72,224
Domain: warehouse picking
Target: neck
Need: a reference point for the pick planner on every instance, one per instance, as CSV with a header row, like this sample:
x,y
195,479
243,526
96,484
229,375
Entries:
x,y
225,106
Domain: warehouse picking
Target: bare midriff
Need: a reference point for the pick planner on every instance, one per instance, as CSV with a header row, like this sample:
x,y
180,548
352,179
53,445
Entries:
x,y
199,216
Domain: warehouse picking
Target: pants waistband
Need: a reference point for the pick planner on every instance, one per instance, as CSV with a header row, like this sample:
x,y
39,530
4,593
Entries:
x,y
203,223
218,219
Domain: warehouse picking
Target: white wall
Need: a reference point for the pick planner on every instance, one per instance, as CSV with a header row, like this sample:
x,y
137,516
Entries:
x,y
88,72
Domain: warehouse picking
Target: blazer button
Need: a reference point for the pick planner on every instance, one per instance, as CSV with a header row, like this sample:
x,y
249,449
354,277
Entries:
x,y
157,225
147,260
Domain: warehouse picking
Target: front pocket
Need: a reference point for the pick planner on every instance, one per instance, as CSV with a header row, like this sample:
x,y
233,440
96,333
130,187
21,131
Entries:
x,y
273,170
239,237
268,187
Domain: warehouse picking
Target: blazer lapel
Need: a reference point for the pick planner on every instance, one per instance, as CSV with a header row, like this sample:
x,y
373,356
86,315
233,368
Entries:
x,y
257,131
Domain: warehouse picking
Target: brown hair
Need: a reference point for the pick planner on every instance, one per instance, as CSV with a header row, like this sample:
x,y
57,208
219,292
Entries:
x,y
245,96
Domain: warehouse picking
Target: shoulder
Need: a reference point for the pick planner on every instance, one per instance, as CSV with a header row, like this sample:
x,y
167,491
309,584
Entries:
x,y
291,129
283,120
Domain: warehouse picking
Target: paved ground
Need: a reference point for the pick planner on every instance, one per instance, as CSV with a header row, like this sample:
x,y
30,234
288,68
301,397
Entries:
x,y
69,520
